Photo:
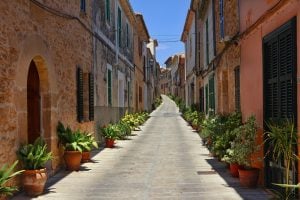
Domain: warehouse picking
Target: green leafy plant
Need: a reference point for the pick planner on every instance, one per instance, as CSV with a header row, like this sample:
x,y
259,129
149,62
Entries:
x,y
244,143
282,141
34,156
110,132
72,140
6,173
90,142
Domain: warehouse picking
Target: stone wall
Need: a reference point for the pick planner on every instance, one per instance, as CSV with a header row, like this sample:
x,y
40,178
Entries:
x,y
229,59
57,45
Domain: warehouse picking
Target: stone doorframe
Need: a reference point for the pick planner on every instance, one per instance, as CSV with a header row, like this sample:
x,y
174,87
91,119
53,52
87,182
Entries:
x,y
36,49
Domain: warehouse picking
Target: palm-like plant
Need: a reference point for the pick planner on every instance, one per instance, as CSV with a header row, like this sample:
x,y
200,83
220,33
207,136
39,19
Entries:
x,y
72,140
282,141
34,156
6,173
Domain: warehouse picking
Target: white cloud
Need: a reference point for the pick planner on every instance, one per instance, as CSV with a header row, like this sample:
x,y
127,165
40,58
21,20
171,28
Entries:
x,y
162,47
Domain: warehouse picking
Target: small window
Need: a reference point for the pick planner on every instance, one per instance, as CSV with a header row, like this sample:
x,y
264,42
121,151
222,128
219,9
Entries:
x,y
107,11
140,94
79,80
127,35
109,87
206,42
82,6
221,14
237,88
119,27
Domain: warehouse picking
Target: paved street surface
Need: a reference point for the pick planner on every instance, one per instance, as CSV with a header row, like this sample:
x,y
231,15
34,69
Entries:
x,y
166,160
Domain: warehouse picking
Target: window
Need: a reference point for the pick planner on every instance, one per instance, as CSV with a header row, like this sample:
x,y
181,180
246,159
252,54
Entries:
x,y
127,35
79,80
237,88
140,94
109,87
201,92
221,14
91,97
190,53
107,10
206,42
206,98
82,6
119,26
211,97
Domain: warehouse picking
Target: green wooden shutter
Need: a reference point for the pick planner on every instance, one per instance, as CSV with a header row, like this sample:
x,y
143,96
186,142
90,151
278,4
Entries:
x,y
206,99
119,26
107,9
91,97
79,95
109,87
237,89
206,42
280,80
212,94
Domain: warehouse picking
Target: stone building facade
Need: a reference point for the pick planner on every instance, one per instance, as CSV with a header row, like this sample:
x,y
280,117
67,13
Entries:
x,y
140,60
39,64
114,27
227,56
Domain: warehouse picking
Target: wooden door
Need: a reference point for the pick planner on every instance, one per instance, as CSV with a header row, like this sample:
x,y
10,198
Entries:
x,y
33,103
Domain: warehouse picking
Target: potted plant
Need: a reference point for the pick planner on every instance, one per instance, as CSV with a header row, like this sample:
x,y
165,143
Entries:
x,y
281,139
34,157
110,134
6,173
231,158
73,143
244,145
86,149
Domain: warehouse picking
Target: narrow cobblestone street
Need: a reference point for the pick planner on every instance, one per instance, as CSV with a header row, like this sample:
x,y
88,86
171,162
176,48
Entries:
x,y
165,160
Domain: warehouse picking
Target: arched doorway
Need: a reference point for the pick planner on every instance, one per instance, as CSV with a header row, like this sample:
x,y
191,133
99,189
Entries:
x,y
33,103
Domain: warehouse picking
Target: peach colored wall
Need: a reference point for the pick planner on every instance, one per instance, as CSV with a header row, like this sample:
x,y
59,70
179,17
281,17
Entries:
x,y
252,61
251,10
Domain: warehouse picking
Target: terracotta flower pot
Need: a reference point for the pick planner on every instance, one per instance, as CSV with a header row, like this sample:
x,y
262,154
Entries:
x,y
249,177
72,159
86,156
110,143
34,181
234,169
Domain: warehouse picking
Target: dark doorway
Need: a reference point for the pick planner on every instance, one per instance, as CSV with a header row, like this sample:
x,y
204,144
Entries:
x,y
33,103
280,96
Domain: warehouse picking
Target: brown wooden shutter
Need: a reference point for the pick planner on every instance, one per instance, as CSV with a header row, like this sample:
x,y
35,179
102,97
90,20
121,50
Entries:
x,y
91,97
79,95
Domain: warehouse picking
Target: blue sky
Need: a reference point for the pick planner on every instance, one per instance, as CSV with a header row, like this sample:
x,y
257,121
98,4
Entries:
x,y
165,20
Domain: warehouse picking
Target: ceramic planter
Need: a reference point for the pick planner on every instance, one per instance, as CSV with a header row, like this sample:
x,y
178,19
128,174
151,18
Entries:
x,y
72,160
110,143
234,169
249,177
34,181
86,156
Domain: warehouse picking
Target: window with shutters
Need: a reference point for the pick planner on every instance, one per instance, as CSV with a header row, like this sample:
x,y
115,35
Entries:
x,y
206,99
206,42
79,78
201,92
221,14
237,88
279,73
107,11
109,87
140,94
82,6
211,88
280,96
119,27
127,35
91,97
